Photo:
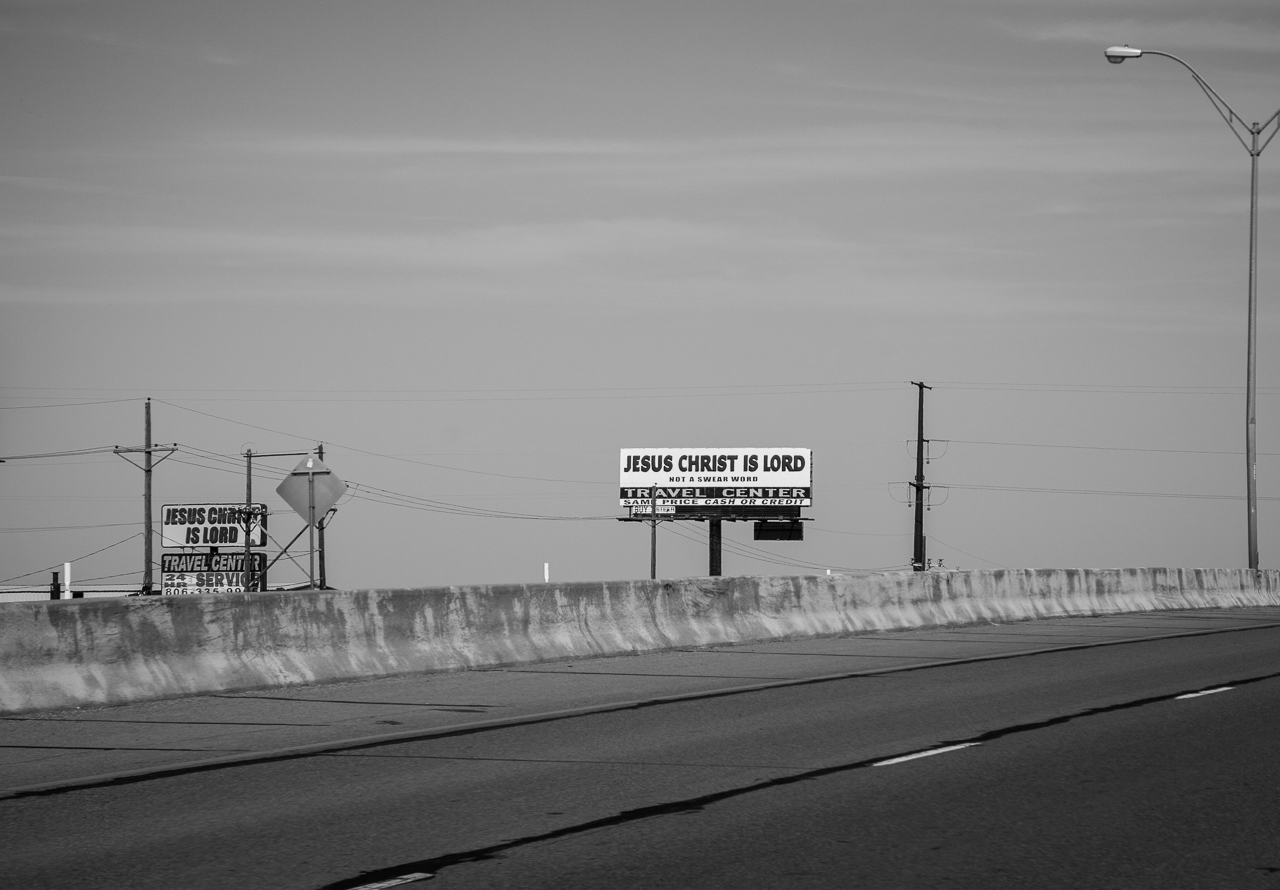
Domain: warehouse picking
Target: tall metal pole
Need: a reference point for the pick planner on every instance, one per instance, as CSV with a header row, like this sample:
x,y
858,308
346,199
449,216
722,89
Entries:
x,y
1118,54
653,533
147,543
262,518
324,585
713,536
1251,382
918,555
311,524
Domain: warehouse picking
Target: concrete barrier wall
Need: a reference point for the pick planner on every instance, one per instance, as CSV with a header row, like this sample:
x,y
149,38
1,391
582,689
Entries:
x,y
89,652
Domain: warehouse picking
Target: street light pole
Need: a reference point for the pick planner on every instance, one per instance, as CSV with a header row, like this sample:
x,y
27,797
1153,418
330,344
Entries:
x,y
1116,55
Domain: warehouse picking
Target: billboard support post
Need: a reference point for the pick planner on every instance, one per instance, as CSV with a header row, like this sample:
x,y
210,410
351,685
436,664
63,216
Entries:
x,y
653,533
714,546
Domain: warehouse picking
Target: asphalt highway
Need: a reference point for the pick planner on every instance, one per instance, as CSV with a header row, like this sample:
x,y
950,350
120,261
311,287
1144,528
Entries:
x,y
1133,751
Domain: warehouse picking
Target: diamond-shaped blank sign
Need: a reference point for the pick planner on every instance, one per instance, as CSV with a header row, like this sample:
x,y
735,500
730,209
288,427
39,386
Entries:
x,y
296,489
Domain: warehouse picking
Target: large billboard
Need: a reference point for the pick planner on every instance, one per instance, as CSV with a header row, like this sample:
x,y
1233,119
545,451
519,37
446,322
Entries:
x,y
755,481
211,525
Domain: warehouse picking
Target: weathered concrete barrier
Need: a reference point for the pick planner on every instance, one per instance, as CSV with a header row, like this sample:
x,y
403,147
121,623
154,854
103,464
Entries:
x,y
61,654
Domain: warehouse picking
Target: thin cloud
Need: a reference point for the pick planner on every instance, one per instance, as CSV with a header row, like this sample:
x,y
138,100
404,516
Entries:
x,y
52,184
908,149
489,248
1198,33
114,40
217,57
323,146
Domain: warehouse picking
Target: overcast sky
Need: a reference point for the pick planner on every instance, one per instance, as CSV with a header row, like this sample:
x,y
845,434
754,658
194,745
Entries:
x,y
477,247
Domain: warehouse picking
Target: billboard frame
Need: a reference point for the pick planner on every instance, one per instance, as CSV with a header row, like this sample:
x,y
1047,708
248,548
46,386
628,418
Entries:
x,y
705,486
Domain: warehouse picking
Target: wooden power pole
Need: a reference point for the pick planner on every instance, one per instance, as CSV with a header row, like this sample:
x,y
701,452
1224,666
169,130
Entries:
x,y
148,542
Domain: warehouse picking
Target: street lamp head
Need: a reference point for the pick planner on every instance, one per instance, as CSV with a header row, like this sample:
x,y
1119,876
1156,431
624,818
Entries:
x,y
1117,54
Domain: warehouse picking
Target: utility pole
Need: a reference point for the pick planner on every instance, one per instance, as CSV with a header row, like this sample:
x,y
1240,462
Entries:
x,y
147,544
918,563
148,585
250,581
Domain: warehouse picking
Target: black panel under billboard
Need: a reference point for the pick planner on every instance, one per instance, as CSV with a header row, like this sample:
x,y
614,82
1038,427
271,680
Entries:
x,y
734,514
779,531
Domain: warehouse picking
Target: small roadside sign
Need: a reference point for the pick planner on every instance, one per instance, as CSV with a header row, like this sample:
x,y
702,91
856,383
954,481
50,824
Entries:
x,y
646,511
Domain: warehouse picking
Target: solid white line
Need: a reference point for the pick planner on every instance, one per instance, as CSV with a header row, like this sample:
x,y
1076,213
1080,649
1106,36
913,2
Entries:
x,y
395,882
920,754
1203,692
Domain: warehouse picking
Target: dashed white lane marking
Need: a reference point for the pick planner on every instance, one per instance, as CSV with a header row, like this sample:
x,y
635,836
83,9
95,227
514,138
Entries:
x,y
1203,692
919,754
396,882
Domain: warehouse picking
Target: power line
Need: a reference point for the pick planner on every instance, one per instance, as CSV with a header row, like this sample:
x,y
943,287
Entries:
x,y
378,454
965,552
397,499
63,404
1122,389
106,577
75,559
1102,447
77,452
388,497
67,528
712,389
753,388
831,531
497,398
1108,492
759,555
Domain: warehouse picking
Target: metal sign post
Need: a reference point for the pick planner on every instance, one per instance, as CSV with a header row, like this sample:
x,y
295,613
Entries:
x,y
315,500
251,582
310,472
311,522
